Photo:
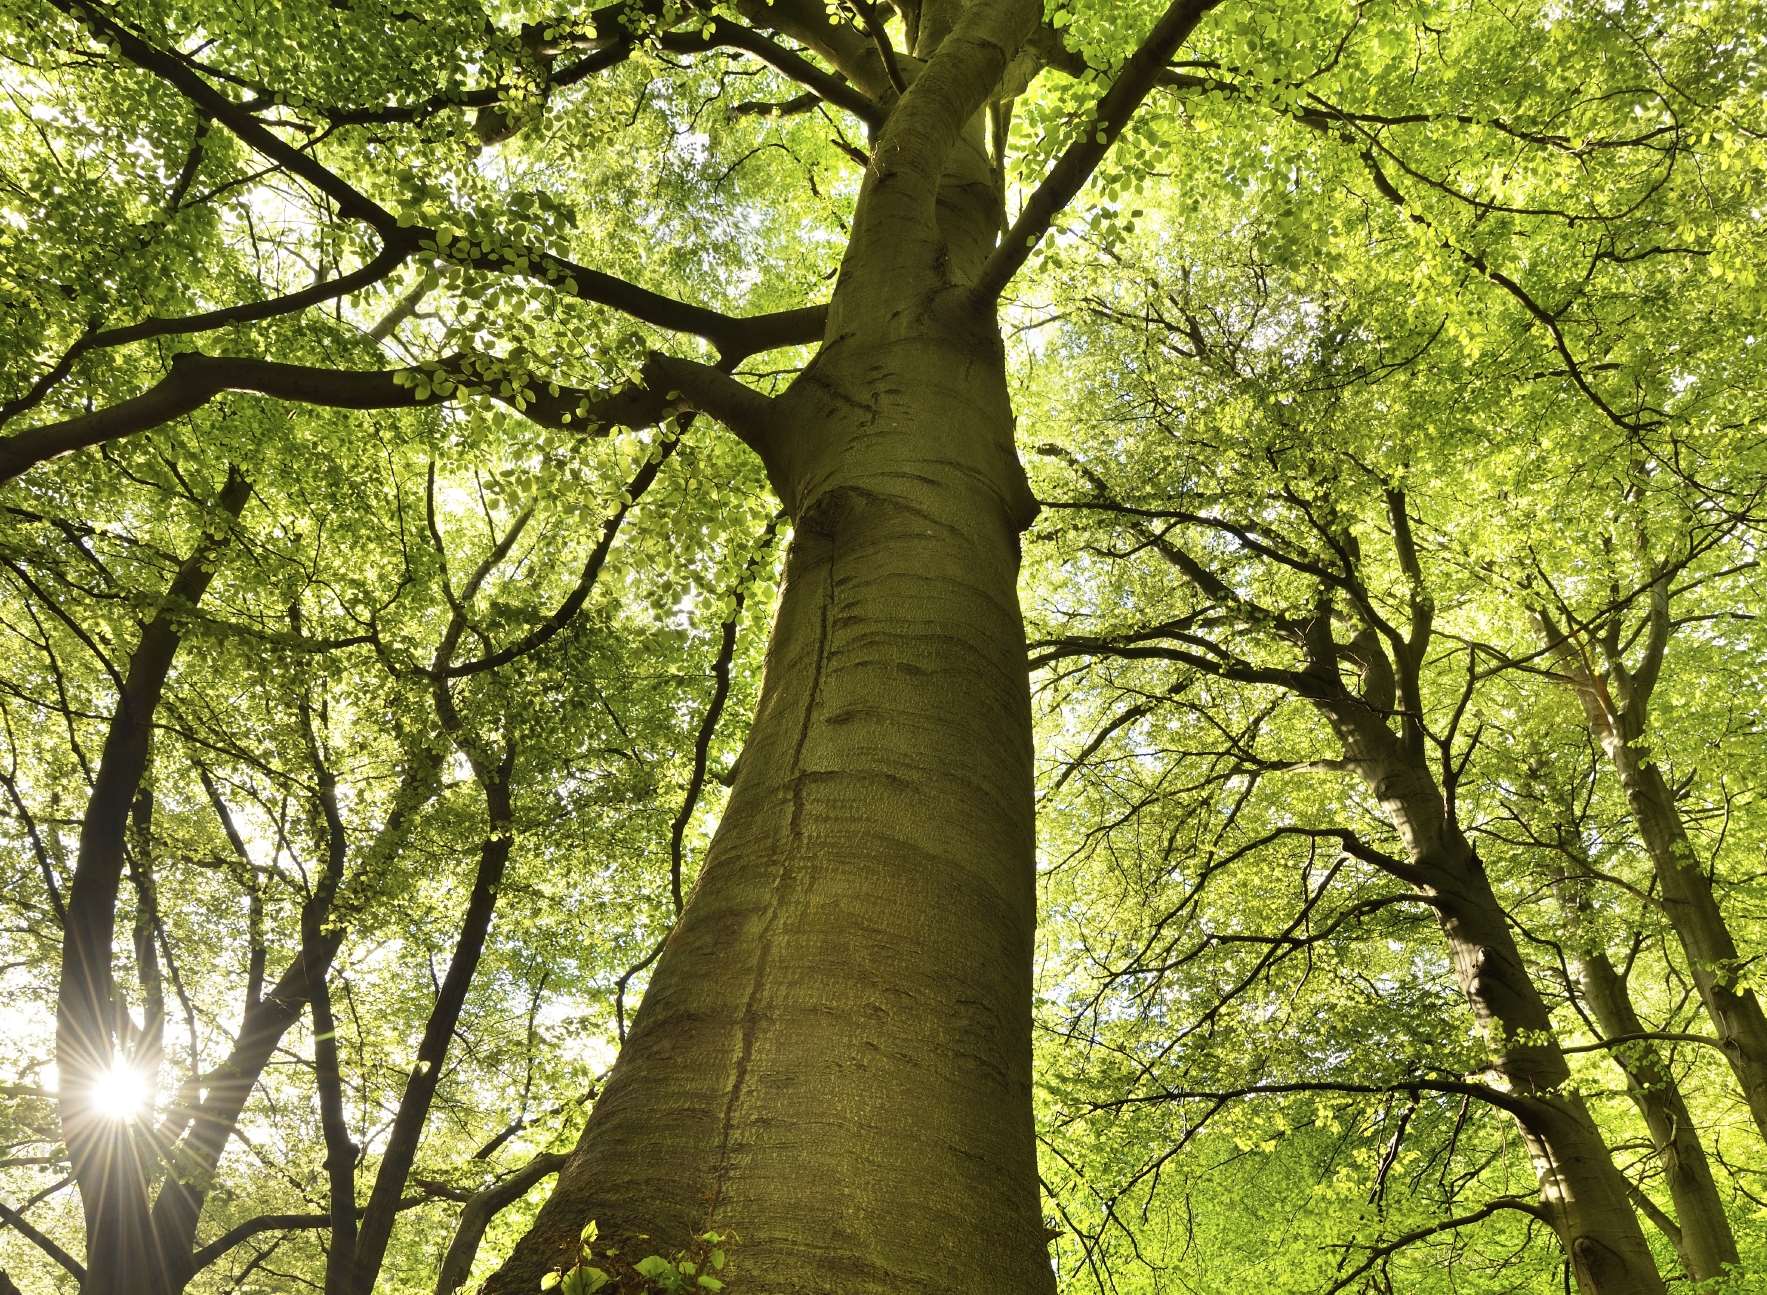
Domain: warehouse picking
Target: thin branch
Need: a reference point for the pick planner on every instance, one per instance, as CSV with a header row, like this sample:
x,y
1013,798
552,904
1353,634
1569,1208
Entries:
x,y
1075,166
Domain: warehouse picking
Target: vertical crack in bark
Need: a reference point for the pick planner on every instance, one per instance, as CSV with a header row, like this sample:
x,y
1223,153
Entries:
x,y
781,876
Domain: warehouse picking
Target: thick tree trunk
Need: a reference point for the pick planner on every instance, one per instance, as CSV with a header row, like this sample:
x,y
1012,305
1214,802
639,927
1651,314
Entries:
x,y
1583,1195
832,1063
833,1058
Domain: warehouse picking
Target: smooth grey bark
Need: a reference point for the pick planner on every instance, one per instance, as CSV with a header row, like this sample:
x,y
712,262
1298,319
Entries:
x,y
1701,1234
1692,908
1380,726
1583,1195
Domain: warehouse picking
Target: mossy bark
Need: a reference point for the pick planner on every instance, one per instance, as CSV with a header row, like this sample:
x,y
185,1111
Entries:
x,y
832,1062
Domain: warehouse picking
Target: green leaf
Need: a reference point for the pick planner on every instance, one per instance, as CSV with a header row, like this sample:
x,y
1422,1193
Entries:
x,y
655,1267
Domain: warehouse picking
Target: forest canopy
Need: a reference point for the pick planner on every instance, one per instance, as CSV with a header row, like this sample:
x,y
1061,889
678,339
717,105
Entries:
x,y
883,646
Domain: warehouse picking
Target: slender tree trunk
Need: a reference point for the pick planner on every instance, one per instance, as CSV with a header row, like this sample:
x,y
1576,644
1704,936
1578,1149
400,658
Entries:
x,y
1616,705
406,1134
1701,1233
1705,1243
476,1216
112,1160
1583,1195
212,1120
340,1151
1699,925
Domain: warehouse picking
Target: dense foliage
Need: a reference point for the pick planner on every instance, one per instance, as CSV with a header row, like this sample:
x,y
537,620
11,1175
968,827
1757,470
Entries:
x,y
1399,364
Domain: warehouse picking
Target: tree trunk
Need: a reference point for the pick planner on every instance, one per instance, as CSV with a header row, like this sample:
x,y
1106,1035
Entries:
x,y
1583,1195
1616,705
832,1062
1699,925
1706,1243
112,1159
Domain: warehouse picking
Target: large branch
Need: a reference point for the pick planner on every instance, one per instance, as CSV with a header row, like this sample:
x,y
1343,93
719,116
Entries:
x,y
242,1232
895,220
1075,166
372,271
735,337
194,379
610,44
827,86
212,104
844,47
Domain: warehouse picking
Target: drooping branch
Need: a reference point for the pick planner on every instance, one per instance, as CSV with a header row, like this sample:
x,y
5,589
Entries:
x,y
212,104
573,602
217,1249
1539,313
708,726
1382,1251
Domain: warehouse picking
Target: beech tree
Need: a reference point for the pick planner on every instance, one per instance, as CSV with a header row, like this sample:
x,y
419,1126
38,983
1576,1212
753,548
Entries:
x,y
515,528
